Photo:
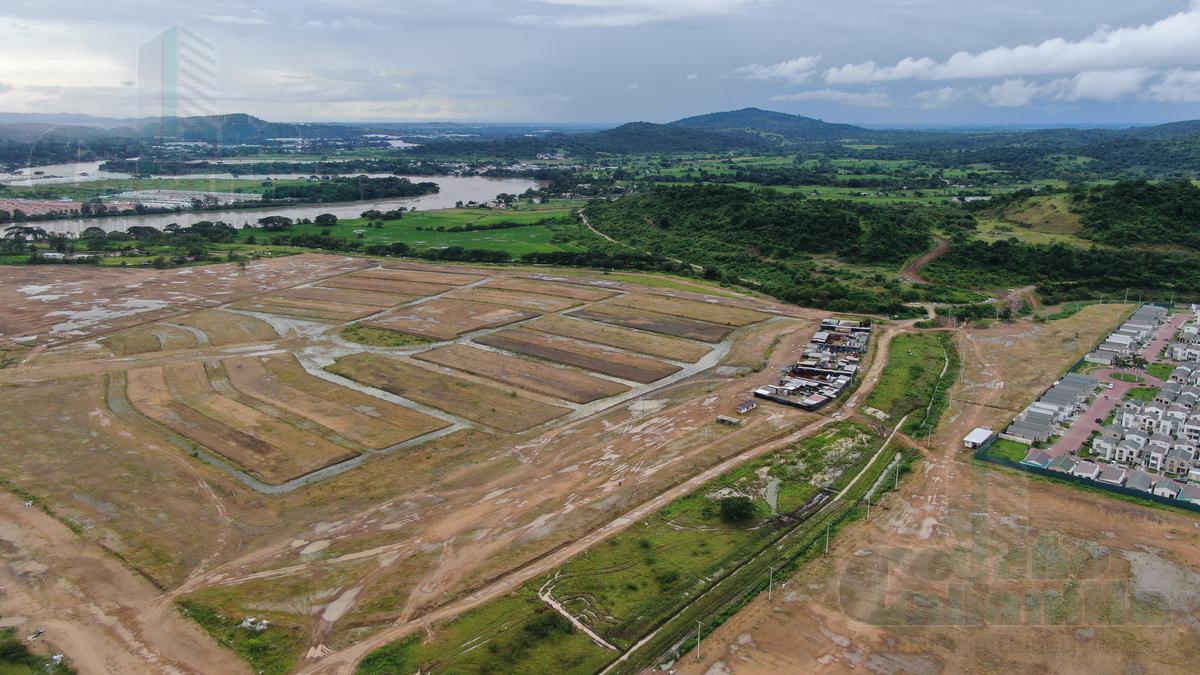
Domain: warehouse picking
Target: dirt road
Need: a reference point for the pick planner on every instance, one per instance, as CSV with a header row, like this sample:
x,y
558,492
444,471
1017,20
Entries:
x,y
105,619
912,272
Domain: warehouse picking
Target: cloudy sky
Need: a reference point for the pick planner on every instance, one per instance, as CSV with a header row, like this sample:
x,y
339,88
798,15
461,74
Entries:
x,y
867,61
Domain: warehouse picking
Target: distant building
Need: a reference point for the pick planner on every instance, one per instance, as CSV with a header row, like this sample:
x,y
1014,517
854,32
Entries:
x,y
979,438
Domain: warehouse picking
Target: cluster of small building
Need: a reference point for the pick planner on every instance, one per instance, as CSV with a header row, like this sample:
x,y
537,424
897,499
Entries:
x,y
1117,476
1186,346
830,364
1130,337
1058,407
183,199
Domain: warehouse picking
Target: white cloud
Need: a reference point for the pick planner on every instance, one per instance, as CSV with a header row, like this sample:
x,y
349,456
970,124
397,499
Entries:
x,y
1010,93
871,99
1169,42
1102,85
941,97
1178,86
794,71
239,15
624,13
692,76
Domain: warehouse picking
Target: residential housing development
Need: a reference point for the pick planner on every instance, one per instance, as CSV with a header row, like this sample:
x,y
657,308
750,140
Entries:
x,y
1143,436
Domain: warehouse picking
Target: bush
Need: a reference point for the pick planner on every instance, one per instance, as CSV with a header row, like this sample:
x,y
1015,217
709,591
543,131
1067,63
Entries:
x,y
737,509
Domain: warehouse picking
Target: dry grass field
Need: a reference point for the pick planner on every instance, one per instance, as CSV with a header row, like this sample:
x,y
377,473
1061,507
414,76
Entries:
x,y
567,384
593,357
654,322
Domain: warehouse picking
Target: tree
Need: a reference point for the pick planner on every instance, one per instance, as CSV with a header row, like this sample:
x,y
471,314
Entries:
x,y
737,509
275,223
326,219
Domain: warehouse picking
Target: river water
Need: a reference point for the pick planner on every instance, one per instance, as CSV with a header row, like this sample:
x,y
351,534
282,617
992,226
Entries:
x,y
453,189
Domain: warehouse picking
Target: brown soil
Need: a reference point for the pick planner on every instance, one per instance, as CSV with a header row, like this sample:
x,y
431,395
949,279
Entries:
x,y
447,319
971,568
655,323
338,295
596,358
486,404
356,282
712,311
564,383
421,276
363,419
551,288
516,299
650,344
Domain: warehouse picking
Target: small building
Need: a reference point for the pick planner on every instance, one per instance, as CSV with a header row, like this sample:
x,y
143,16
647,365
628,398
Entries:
x,y
1063,464
747,407
1086,469
731,421
1140,480
1113,475
1038,458
1190,493
1165,487
979,438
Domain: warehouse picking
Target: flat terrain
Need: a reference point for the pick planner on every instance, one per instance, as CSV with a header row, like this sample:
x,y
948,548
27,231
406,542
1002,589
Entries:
x,y
227,442
973,568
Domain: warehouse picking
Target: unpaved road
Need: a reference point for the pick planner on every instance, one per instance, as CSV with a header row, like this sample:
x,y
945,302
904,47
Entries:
x,y
912,272
103,617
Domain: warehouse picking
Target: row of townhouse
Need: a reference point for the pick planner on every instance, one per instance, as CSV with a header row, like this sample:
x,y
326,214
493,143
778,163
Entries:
x,y
1111,474
1059,406
1137,331
1186,346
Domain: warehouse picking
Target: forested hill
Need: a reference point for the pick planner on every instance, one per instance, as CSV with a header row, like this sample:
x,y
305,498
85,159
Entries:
x,y
1131,213
766,238
758,121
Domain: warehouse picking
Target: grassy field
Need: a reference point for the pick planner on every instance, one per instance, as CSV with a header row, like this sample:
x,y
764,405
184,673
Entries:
x,y
421,230
102,188
1007,449
914,366
1142,394
1160,370
382,337
16,659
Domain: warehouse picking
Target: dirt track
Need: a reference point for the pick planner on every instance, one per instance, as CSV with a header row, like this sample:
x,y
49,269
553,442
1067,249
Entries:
x,y
912,271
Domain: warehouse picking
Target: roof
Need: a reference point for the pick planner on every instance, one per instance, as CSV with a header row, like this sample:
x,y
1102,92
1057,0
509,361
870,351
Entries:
x,y
979,436
1167,484
1086,468
1112,474
1190,492
1140,480
1064,464
1037,458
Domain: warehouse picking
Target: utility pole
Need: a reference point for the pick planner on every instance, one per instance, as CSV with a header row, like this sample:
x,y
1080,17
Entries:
x,y
697,639
868,507
827,538
1126,297
897,477
770,582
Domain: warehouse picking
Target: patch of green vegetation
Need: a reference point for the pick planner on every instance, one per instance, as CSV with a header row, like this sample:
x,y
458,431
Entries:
x,y
1142,394
1160,370
16,659
1126,377
644,574
913,379
1067,311
274,650
1010,450
515,634
382,337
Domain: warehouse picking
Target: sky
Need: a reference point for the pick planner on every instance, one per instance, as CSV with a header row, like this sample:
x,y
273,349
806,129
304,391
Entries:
x,y
904,62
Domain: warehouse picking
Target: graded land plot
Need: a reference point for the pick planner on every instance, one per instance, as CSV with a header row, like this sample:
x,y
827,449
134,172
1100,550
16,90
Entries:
x,y
446,319
156,337
655,323
281,382
711,312
182,399
564,383
597,358
652,344
421,276
565,290
208,328
348,296
543,304
354,282
329,312
503,409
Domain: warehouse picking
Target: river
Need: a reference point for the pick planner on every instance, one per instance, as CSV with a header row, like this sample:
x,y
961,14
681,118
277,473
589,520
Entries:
x,y
453,189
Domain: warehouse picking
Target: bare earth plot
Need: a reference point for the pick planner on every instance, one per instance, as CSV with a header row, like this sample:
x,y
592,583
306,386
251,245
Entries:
x,y
499,408
711,311
551,288
596,358
564,383
971,568
182,399
516,299
279,381
159,454
443,319
655,323
651,344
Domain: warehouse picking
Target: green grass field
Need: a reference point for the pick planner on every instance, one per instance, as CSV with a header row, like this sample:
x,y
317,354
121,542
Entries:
x,y
1142,394
102,188
420,230
1160,370
914,365
16,659
1007,449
